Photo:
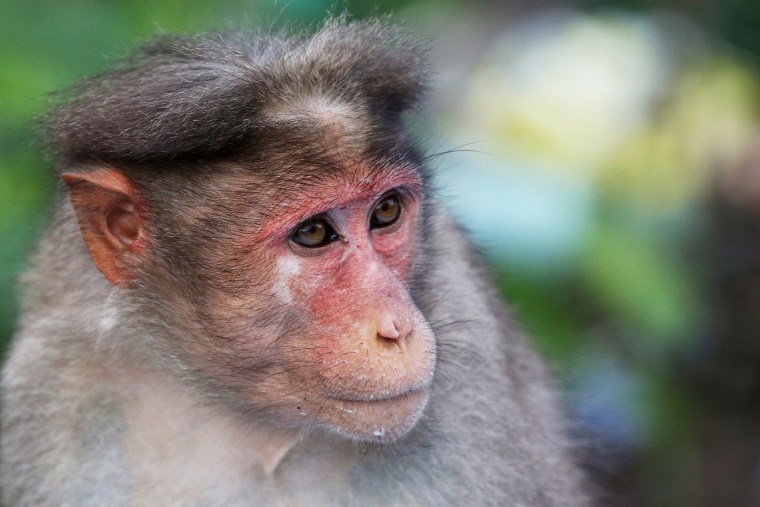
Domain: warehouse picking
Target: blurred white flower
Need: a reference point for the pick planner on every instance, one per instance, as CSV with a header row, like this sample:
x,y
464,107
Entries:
x,y
568,89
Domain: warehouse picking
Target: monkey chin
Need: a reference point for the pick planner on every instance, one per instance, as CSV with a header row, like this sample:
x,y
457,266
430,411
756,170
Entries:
x,y
378,420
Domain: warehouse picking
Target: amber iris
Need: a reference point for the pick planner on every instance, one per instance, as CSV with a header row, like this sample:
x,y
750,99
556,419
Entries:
x,y
314,234
386,212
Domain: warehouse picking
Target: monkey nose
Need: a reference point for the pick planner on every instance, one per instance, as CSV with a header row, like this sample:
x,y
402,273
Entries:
x,y
388,330
392,331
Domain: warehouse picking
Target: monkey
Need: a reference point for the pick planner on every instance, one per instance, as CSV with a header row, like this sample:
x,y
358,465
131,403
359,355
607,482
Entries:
x,y
247,294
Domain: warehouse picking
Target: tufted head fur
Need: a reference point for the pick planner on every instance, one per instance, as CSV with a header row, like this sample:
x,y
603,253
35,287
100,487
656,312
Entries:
x,y
208,95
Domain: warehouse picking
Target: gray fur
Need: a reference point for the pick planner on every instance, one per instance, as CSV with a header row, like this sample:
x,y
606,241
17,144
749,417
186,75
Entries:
x,y
492,433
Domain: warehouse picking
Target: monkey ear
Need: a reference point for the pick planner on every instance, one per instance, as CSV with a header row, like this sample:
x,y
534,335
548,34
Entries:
x,y
108,207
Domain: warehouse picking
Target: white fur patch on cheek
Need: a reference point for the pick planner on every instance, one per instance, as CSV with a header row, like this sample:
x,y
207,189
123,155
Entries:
x,y
109,317
288,268
108,321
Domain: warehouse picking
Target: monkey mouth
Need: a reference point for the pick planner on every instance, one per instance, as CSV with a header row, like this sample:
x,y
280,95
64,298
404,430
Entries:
x,y
416,389
379,419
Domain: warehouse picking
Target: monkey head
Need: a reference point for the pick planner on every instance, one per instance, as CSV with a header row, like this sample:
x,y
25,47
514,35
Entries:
x,y
260,212
286,290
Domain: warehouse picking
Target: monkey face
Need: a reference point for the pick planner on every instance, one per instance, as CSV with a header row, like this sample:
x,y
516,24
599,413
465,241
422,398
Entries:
x,y
303,315
363,364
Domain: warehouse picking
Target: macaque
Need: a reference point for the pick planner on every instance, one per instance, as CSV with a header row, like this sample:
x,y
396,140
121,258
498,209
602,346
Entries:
x,y
248,296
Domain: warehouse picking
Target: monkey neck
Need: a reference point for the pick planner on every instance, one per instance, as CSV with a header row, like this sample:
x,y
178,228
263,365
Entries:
x,y
273,445
167,423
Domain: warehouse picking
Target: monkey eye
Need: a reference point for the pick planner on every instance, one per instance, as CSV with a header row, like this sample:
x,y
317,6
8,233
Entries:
x,y
314,234
386,212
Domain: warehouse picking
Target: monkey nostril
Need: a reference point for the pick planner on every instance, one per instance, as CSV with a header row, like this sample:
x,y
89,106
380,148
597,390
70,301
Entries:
x,y
396,343
387,340
391,333
388,331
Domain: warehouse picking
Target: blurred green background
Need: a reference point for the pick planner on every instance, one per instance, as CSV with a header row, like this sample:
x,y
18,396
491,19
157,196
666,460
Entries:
x,y
606,157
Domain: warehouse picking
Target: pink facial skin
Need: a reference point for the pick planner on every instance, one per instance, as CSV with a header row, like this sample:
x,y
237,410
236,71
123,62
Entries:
x,y
376,261
372,351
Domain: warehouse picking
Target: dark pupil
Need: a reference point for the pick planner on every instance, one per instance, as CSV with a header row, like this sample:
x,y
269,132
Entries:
x,y
386,212
314,234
